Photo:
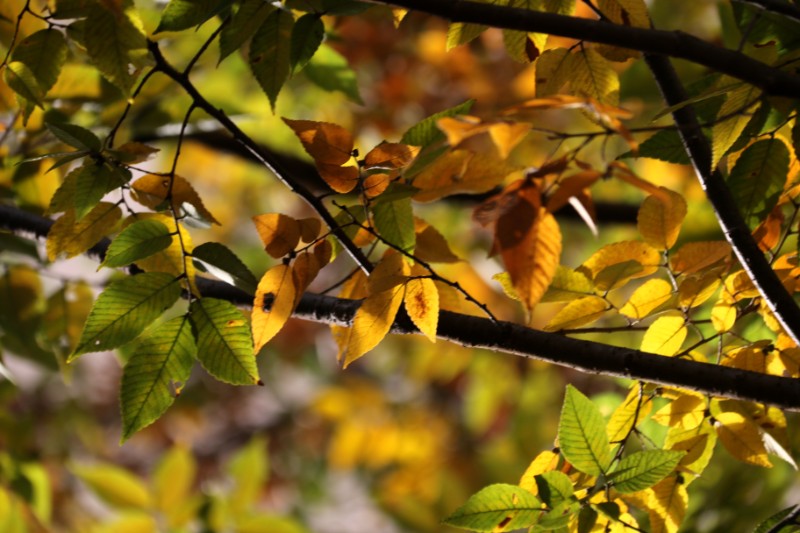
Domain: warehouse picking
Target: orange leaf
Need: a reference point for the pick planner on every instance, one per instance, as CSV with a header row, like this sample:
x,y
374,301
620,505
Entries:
x,y
375,184
571,186
442,176
327,143
660,218
152,190
695,256
279,233
529,240
390,155
372,322
422,305
309,228
323,250
304,269
340,179
277,291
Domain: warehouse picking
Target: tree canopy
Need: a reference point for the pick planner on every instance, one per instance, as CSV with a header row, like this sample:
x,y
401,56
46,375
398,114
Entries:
x,y
414,265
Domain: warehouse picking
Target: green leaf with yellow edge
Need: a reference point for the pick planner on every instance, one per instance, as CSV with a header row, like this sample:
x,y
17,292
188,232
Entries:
x,y
498,507
273,304
114,485
269,53
224,345
140,239
184,14
43,53
155,374
395,223
422,305
249,470
173,481
426,132
582,434
372,321
218,260
633,410
329,70
307,36
732,118
644,469
243,24
124,309
742,438
758,178
115,42
647,298
665,336
660,218
578,313
68,237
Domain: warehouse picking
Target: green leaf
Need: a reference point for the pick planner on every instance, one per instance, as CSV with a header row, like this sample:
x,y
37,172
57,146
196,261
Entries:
x,y
244,23
666,145
758,177
558,517
75,136
224,345
155,373
767,525
269,53
582,434
22,81
114,485
329,70
93,182
44,53
500,505
425,132
554,488
641,470
184,14
395,223
141,239
220,261
64,197
732,119
116,43
307,36
124,309
587,518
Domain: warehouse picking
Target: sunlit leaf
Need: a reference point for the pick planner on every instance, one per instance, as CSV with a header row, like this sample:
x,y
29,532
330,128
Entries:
x,y
665,336
723,315
578,313
546,461
269,57
422,305
395,223
742,438
462,32
43,53
696,256
554,488
155,374
224,345
631,259
68,237
644,469
667,504
141,239
173,481
660,218
372,322
392,270
330,146
582,434
647,298
431,246
276,293
732,118
686,411
568,285
633,410
497,508
696,290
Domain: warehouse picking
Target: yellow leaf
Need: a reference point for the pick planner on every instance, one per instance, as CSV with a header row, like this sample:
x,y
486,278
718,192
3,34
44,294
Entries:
x,y
784,362
753,357
696,290
355,288
431,245
667,503
506,136
68,238
742,438
578,313
372,322
723,315
152,190
172,484
391,270
627,13
628,415
696,256
546,461
593,76
398,14
647,298
697,442
276,290
568,285
665,336
422,305
623,255
660,218
686,411
279,233
390,156
552,71
529,240
309,228
733,116
738,286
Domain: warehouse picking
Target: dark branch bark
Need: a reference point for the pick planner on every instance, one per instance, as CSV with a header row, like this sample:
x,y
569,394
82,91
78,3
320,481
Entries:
x,y
730,219
476,332
669,43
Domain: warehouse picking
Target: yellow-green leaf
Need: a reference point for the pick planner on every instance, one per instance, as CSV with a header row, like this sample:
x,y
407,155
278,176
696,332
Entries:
x,y
733,116
68,237
116,43
628,414
140,239
582,434
497,508
114,485
633,259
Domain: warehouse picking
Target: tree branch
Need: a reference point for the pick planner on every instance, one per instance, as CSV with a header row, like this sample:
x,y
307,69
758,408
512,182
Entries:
x,y
507,337
730,219
669,43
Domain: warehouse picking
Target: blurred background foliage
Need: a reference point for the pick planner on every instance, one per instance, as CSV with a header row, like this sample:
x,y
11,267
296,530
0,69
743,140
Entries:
x,y
398,440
